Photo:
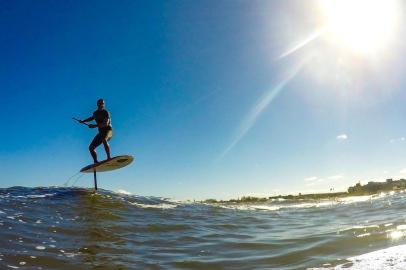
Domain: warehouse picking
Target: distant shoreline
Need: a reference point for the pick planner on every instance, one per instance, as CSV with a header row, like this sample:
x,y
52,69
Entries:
x,y
313,196
372,188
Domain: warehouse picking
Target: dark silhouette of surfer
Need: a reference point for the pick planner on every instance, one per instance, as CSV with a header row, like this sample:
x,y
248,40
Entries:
x,y
103,123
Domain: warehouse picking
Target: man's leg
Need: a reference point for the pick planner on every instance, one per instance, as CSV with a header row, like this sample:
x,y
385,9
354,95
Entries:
x,y
92,147
93,152
106,140
107,148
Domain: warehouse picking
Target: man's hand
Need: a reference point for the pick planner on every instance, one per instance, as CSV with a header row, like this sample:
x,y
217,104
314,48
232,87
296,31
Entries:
x,y
92,126
81,121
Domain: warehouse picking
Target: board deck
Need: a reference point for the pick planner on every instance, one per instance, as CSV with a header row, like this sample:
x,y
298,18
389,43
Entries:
x,y
109,165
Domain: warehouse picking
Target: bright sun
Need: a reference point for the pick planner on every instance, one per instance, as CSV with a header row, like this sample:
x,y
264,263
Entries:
x,y
363,25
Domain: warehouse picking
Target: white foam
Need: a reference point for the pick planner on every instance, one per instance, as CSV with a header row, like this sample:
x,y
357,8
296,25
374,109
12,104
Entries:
x,y
266,207
36,196
363,235
122,191
271,207
247,207
360,227
393,258
177,201
40,247
157,206
310,205
355,199
401,227
70,255
39,196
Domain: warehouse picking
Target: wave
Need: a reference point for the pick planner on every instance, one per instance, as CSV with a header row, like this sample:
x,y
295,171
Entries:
x,y
75,228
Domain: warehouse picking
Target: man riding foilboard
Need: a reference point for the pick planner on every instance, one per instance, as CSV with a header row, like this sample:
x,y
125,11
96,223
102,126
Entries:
x,y
103,123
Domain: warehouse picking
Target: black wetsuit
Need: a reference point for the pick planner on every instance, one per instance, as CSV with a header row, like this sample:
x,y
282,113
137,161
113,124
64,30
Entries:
x,y
106,132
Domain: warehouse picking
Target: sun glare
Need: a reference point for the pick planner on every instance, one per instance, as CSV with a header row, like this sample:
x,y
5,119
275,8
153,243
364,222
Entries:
x,y
365,26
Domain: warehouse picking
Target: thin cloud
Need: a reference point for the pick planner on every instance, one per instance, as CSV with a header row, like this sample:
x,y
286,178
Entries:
x,y
403,171
310,184
314,183
310,179
342,137
335,177
401,139
313,180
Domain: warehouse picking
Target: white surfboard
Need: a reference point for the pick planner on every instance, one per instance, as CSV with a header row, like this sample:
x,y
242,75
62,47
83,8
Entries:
x,y
109,165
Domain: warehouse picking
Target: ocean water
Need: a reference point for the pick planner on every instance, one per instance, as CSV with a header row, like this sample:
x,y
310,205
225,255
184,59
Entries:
x,y
73,228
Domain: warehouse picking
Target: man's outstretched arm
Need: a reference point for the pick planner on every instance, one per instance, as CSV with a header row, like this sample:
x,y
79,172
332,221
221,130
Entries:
x,y
91,118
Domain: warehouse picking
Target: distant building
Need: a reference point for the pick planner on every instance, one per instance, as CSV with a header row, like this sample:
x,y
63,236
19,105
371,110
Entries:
x,y
376,187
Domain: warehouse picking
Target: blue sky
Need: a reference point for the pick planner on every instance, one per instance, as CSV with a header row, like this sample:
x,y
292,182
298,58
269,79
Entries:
x,y
215,99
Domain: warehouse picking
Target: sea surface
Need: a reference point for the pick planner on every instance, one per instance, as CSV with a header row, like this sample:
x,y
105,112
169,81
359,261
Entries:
x,y
73,228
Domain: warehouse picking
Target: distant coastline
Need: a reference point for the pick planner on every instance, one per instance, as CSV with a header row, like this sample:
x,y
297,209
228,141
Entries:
x,y
371,188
